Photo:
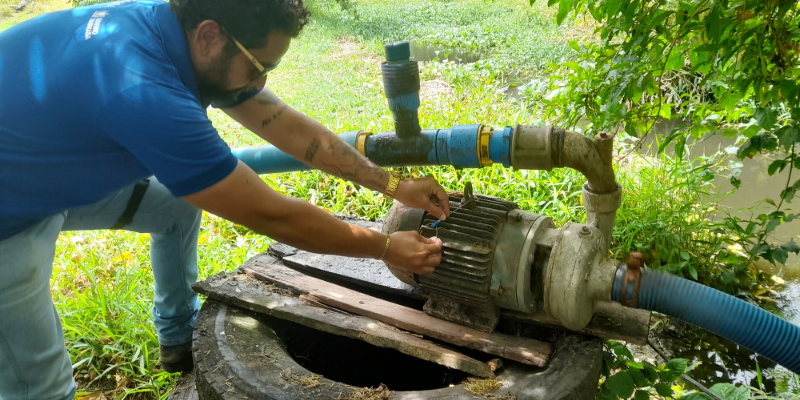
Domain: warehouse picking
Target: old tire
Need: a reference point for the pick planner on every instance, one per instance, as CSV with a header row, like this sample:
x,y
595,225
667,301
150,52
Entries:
x,y
243,355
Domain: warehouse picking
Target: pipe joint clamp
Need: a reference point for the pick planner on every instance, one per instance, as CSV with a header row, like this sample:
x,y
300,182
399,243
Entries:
x,y
484,134
361,141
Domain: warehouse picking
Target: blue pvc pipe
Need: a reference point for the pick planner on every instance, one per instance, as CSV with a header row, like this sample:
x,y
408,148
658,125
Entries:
x,y
456,146
717,312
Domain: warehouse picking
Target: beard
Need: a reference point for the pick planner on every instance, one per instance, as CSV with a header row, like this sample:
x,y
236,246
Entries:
x,y
213,83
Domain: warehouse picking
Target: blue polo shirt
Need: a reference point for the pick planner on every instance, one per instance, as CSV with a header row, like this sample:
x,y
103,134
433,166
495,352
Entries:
x,y
94,99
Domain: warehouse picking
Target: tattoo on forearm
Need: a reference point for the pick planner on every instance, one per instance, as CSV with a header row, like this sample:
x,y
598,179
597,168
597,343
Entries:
x,y
275,116
312,150
351,166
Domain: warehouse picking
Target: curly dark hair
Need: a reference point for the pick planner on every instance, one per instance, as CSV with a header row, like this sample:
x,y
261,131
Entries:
x,y
250,21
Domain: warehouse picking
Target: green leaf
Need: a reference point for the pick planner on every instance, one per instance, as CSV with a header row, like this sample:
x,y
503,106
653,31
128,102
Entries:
x,y
730,392
791,247
663,389
638,377
772,224
736,182
685,255
622,351
564,6
613,7
776,165
693,272
728,277
714,26
675,61
780,255
788,135
700,62
675,368
663,145
789,89
751,131
641,395
650,372
788,193
630,129
680,146
759,248
766,117
609,363
730,100
606,394
621,384
572,43
756,144
697,396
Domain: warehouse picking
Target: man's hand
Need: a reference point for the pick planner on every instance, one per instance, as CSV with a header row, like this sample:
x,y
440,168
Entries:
x,y
424,193
412,252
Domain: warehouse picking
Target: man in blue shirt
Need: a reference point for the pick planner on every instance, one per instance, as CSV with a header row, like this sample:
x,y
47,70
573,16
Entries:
x,y
93,100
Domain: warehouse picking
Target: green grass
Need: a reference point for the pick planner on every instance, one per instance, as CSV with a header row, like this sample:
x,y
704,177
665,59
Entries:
x,y
9,17
102,284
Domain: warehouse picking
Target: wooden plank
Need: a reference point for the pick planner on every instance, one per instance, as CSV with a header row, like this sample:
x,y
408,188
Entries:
x,y
185,389
246,292
524,350
610,321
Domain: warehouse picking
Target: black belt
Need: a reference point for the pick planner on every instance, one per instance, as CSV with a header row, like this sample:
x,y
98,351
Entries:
x,y
133,204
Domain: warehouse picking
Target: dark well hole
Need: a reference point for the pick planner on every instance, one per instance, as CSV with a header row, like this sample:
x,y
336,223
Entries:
x,y
361,364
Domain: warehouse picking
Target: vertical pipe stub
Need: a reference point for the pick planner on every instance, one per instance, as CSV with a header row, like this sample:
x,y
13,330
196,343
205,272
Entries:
x,y
401,84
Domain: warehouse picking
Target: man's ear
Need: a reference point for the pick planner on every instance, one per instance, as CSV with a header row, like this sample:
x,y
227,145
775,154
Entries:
x,y
209,39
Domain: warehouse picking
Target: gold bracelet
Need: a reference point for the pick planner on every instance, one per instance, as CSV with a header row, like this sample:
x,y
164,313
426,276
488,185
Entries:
x,y
386,248
391,187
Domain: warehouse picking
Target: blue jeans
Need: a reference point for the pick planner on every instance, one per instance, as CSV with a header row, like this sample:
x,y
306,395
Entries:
x,y
34,363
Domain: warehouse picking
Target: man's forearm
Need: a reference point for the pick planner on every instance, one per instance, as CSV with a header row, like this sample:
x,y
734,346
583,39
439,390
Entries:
x,y
310,228
328,152
307,140
244,198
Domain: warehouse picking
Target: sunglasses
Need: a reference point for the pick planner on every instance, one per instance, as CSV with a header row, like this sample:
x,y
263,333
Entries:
x,y
262,70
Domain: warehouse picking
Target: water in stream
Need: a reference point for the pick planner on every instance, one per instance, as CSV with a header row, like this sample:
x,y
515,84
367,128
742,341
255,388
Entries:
x,y
722,360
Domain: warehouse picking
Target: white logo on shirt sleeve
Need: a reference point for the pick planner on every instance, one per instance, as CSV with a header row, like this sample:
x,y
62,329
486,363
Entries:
x,y
93,27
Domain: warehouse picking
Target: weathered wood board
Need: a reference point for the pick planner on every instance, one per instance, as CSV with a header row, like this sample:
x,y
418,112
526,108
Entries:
x,y
524,350
246,292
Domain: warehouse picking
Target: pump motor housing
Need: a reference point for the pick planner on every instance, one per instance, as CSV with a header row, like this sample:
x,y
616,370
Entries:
x,y
497,256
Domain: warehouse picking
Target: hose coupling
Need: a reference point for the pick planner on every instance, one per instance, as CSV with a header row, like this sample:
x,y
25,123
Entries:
x,y
631,280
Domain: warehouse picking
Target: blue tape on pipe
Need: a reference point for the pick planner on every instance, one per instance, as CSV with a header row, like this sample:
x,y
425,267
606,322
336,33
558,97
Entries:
x,y
500,146
462,149
442,140
404,102
350,137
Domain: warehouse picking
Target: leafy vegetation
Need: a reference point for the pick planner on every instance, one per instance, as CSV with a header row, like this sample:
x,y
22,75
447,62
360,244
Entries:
x,y
726,67
630,379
